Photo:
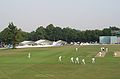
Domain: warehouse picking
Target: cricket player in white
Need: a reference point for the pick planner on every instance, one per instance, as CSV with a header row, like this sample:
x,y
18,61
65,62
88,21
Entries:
x,y
106,49
101,48
93,60
76,49
72,59
29,55
60,58
83,61
115,54
77,60
100,54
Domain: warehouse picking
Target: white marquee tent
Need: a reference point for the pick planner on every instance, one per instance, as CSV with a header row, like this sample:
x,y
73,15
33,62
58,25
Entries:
x,y
43,42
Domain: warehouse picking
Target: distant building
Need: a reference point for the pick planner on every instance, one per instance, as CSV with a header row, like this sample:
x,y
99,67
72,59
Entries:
x,y
43,42
108,40
104,39
59,43
27,43
118,40
113,40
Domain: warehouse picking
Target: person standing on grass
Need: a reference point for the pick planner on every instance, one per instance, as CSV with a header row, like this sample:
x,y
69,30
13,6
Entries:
x,y
93,60
115,54
102,49
29,55
72,59
106,49
77,60
83,61
76,49
60,58
100,54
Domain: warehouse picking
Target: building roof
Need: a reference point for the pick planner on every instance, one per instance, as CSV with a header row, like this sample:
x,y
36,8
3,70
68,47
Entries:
x,y
43,41
26,42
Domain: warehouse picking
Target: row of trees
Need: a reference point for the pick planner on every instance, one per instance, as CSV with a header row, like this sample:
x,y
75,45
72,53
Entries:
x,y
67,34
13,35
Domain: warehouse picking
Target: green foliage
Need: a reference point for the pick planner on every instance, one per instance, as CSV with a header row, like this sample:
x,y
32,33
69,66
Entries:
x,y
12,35
50,32
6,36
54,33
40,32
114,28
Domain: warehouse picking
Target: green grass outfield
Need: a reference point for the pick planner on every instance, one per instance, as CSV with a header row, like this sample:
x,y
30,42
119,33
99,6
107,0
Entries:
x,y
44,64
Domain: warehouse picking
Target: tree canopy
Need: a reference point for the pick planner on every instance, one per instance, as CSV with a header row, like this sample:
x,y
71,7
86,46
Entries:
x,y
13,35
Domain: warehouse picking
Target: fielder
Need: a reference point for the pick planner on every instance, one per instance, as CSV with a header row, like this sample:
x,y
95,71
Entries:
x,y
76,49
115,54
83,61
29,55
72,59
106,49
77,60
60,58
93,60
102,49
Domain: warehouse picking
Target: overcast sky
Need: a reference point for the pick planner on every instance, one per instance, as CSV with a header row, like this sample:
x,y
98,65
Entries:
x,y
78,14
